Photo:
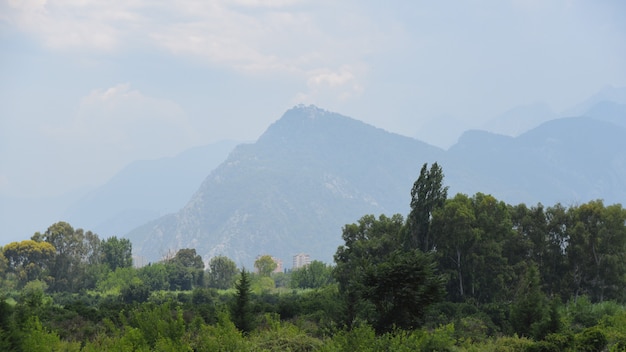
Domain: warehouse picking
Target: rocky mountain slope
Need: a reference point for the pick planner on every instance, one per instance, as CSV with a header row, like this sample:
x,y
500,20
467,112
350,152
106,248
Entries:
x,y
314,171
310,173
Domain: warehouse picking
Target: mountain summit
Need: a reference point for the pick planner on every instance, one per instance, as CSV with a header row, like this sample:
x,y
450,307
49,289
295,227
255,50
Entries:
x,y
309,174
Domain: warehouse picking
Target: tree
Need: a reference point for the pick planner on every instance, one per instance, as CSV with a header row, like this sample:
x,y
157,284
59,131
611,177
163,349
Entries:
x,y
188,258
185,270
380,281
74,250
241,310
470,236
492,275
529,308
453,226
28,259
265,265
596,250
401,288
542,238
428,194
117,253
155,276
314,275
222,272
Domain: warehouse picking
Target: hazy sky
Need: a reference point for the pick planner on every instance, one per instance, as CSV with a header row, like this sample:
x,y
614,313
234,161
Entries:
x,y
88,86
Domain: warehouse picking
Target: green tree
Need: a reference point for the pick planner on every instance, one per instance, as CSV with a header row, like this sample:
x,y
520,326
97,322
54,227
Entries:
x,y
185,270
222,272
492,276
188,258
314,275
117,253
118,279
554,267
428,194
180,277
9,334
471,234
75,249
28,259
453,226
401,288
265,265
541,238
241,309
380,281
596,250
530,307
155,276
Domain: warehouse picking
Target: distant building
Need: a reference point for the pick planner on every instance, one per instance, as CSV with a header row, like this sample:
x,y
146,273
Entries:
x,y
279,265
300,260
139,261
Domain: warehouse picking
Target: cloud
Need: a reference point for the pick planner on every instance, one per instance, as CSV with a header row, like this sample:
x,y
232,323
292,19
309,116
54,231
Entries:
x,y
298,38
71,24
325,85
122,124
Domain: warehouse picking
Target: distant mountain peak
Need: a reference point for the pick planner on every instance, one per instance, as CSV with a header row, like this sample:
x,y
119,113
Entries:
x,y
310,111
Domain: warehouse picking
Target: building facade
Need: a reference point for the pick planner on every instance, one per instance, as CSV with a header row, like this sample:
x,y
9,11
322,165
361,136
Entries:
x,y
300,260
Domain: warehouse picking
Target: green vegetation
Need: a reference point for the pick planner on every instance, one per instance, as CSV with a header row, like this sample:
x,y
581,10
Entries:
x,y
481,275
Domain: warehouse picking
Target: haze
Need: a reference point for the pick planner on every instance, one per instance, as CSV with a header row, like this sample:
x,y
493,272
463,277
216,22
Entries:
x,y
87,87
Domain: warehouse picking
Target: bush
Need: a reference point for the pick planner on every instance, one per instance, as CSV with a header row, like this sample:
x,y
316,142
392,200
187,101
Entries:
x,y
591,340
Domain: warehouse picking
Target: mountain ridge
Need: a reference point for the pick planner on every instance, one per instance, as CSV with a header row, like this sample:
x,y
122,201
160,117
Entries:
x,y
299,166
314,171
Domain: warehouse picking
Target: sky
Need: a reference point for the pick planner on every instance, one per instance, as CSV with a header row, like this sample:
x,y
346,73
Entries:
x,y
86,87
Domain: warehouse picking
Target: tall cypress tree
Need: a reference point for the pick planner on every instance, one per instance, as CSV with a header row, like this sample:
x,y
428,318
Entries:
x,y
242,316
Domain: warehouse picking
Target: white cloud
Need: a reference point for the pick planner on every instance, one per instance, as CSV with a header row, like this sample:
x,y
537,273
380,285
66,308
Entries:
x,y
71,24
326,85
123,124
297,38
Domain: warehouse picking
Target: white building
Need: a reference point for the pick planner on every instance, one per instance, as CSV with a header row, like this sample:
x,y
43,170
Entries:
x,y
300,260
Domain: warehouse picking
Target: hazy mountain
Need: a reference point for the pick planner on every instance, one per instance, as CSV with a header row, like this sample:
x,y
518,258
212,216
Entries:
x,y
314,171
607,94
569,160
145,190
609,111
520,119
309,174
442,131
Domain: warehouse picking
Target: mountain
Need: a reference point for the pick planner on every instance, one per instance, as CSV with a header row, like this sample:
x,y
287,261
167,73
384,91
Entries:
x,y
314,171
309,174
520,119
607,94
609,111
145,190
569,160
442,131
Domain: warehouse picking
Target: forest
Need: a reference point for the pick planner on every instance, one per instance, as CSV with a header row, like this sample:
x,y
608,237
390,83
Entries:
x,y
461,273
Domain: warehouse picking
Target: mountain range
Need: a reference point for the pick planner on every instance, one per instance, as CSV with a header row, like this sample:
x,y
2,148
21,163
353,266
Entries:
x,y
314,171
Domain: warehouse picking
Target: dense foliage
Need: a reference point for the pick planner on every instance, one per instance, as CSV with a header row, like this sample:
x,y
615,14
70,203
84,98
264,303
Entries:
x,y
479,275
